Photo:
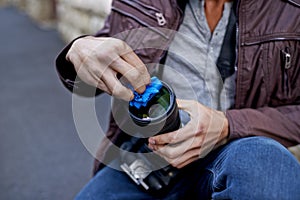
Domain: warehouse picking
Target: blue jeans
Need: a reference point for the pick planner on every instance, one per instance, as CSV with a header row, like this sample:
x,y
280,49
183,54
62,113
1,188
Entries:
x,y
249,168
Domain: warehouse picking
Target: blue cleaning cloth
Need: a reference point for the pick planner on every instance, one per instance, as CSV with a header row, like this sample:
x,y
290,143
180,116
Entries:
x,y
151,89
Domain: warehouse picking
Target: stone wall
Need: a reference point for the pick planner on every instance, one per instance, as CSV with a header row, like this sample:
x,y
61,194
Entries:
x,y
42,11
18,3
71,17
78,17
3,2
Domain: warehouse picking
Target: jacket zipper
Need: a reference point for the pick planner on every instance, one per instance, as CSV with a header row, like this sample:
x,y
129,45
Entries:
x,y
237,37
139,21
164,53
175,29
286,65
160,19
147,10
238,64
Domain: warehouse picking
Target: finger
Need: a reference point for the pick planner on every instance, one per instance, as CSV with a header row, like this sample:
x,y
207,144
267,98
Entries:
x,y
95,80
166,151
162,139
136,62
85,75
93,75
102,86
88,76
183,159
130,73
114,85
177,150
182,134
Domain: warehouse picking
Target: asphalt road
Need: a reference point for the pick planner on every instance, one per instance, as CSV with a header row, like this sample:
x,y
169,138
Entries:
x,y
41,154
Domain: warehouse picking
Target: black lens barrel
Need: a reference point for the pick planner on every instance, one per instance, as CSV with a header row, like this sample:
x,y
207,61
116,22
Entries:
x,y
164,104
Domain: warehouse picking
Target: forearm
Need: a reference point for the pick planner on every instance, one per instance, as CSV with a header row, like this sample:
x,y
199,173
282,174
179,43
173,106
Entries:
x,y
281,123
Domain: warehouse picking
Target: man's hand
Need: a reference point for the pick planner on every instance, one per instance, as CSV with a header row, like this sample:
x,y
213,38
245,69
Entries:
x,y
97,62
206,130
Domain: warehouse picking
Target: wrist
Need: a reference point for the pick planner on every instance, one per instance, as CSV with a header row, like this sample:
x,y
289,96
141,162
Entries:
x,y
224,135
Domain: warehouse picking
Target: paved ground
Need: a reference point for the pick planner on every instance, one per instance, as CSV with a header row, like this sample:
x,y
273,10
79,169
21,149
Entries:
x,y
41,155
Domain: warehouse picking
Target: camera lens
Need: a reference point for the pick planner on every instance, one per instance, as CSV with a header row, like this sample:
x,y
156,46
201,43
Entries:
x,y
156,110
158,115
160,111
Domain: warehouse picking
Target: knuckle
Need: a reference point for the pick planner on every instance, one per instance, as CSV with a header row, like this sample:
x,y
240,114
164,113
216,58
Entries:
x,y
134,75
117,91
121,92
90,81
147,77
116,63
105,52
157,140
120,46
163,139
102,55
142,69
95,71
172,137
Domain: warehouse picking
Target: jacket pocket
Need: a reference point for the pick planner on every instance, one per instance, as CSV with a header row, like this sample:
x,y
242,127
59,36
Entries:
x,y
283,66
271,71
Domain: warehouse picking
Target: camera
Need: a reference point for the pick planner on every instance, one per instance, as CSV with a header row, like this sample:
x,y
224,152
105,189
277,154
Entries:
x,y
147,169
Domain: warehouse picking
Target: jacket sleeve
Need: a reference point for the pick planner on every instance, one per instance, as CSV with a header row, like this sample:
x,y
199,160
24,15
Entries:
x,y
281,123
66,70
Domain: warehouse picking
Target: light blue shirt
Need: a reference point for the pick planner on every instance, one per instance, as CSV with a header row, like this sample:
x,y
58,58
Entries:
x,y
190,67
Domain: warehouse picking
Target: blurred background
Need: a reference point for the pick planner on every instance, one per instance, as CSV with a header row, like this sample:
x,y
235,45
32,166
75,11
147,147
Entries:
x,y
41,154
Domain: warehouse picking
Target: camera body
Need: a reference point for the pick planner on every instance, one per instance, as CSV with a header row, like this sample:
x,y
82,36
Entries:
x,y
144,167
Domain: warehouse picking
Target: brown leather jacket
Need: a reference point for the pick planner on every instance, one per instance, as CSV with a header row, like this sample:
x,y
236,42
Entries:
x,y
267,59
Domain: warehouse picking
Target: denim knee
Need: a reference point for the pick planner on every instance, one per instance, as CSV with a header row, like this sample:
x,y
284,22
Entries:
x,y
256,149
257,168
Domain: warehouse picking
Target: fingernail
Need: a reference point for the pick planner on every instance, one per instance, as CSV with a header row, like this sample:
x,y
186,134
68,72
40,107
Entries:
x,y
151,141
141,89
